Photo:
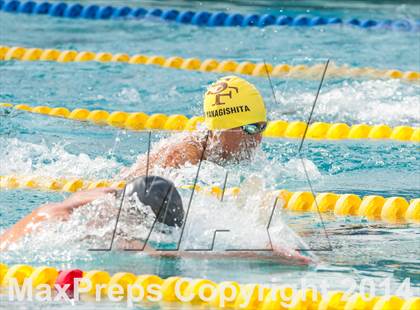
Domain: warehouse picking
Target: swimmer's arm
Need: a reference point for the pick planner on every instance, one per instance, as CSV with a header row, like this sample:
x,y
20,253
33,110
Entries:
x,y
171,156
276,255
49,212
24,226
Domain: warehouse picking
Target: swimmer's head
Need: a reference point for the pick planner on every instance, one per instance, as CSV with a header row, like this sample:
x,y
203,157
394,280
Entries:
x,y
235,110
161,195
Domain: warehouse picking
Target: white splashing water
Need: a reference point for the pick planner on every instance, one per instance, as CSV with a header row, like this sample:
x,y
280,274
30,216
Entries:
x,y
373,102
129,95
24,158
246,218
296,169
244,222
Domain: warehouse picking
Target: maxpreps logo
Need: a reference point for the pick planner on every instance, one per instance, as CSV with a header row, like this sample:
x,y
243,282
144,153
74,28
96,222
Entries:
x,y
221,90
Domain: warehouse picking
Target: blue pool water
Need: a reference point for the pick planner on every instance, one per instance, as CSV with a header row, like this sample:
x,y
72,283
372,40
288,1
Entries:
x,y
37,145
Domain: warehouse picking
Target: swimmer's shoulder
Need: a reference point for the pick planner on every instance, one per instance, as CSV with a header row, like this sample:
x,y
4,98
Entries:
x,y
195,142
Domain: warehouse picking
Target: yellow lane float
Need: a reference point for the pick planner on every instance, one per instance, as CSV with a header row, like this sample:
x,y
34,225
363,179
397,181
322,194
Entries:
x,y
372,207
199,292
8,53
179,122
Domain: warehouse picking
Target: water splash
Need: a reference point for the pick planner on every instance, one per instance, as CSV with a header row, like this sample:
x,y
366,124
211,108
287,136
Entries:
x,y
22,158
374,102
129,95
244,220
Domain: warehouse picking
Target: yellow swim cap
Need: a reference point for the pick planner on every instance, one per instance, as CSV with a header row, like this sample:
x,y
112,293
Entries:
x,y
233,102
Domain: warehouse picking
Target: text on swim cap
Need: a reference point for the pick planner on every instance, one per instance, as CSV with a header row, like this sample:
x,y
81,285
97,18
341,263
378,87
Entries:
x,y
226,111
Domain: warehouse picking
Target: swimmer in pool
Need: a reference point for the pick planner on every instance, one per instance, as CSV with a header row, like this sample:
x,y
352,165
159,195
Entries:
x,y
234,119
163,199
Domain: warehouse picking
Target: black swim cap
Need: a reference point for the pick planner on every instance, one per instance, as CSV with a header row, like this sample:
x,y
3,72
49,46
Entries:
x,y
161,195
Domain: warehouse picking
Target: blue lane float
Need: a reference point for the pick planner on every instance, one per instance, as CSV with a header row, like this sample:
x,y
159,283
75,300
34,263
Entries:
x,y
202,18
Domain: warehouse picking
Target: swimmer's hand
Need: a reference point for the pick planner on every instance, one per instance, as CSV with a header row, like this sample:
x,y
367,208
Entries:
x,y
50,212
62,210
84,197
280,257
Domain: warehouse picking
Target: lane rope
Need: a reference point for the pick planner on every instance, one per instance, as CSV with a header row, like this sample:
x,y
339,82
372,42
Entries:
x,y
198,292
201,18
8,53
179,122
372,207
